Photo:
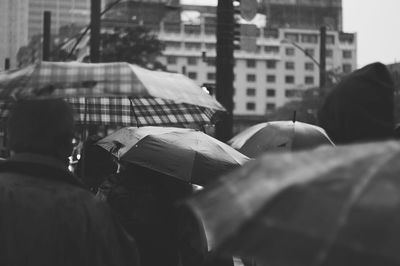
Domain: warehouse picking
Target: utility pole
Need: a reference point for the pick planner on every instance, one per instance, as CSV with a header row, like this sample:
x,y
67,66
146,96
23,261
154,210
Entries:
x,y
7,64
322,58
224,66
95,31
46,35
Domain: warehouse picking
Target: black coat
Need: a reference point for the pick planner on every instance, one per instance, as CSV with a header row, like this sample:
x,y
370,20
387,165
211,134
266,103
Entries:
x,y
48,218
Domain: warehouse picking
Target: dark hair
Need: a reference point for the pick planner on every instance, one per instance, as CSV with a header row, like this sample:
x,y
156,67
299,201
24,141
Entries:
x,y
44,126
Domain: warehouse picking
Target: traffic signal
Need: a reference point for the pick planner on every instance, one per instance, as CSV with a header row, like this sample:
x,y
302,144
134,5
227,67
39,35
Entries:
x,y
236,24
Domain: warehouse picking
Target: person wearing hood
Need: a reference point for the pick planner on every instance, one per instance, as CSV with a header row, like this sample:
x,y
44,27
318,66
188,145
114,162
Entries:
x,y
361,107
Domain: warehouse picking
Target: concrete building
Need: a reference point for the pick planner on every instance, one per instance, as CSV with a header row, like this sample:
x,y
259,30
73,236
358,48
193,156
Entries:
x,y
269,72
13,30
63,12
304,14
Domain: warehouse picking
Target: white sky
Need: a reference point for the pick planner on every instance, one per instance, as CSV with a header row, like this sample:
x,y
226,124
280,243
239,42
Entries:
x,y
376,22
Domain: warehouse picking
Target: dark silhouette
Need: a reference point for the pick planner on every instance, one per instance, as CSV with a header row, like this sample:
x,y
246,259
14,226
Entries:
x,y
47,216
145,202
361,107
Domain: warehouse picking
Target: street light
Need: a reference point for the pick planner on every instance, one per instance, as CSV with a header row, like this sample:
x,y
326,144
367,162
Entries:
x,y
301,49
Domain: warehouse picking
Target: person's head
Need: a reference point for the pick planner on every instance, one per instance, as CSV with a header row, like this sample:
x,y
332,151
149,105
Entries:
x,y
43,127
96,163
361,107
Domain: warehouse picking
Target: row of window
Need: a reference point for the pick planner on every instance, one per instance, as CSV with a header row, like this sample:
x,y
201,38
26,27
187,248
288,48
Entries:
x,y
270,64
270,78
289,51
308,38
251,106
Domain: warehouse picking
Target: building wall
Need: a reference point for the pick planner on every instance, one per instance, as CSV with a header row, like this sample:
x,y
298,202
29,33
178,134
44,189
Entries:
x,y
63,12
304,13
186,45
14,25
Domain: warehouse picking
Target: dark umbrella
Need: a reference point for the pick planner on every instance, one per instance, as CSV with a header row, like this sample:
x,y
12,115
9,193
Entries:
x,y
337,206
279,135
186,154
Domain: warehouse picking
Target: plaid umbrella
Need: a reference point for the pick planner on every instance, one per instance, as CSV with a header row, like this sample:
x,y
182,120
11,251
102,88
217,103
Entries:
x,y
113,93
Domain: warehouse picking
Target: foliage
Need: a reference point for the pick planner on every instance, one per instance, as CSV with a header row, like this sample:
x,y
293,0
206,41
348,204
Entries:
x,y
135,45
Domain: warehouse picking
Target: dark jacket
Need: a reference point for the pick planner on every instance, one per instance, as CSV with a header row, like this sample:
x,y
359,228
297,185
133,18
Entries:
x,y
48,218
144,200
361,107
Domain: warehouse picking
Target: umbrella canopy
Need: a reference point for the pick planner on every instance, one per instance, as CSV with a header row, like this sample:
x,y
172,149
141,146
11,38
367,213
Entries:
x,y
186,154
104,91
279,135
337,206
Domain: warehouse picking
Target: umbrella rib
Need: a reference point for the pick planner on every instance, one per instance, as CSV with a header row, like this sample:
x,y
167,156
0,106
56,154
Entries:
x,y
354,196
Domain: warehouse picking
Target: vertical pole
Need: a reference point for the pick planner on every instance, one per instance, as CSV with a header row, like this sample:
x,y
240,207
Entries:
x,y
7,64
46,35
95,31
224,66
322,58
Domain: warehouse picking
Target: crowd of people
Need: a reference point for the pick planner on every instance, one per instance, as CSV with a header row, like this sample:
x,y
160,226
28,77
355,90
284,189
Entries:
x,y
112,213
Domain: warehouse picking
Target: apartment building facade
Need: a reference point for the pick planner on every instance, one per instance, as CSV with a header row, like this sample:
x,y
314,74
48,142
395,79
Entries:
x,y
268,77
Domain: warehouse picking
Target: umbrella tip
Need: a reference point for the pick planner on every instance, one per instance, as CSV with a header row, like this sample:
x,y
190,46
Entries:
x,y
294,117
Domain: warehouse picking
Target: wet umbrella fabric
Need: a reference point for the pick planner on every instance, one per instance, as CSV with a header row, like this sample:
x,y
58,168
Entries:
x,y
324,207
186,154
279,135
113,93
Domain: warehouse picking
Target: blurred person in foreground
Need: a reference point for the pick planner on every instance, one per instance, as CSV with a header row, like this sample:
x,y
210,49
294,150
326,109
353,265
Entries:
x,y
360,108
47,216
144,201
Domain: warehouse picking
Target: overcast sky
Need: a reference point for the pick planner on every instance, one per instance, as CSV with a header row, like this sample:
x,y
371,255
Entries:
x,y
376,22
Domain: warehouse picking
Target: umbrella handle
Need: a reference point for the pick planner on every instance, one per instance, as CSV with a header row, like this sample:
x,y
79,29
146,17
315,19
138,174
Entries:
x,y
133,111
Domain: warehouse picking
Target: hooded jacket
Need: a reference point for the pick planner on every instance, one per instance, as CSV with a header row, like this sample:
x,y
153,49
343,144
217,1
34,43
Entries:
x,y
361,107
48,218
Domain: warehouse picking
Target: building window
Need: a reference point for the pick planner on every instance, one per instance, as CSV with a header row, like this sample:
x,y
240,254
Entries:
x,y
347,68
289,79
289,51
309,80
309,38
192,75
271,49
271,78
251,63
171,60
173,45
330,39
251,92
210,46
210,61
289,65
271,64
290,93
329,53
310,52
347,54
251,106
193,45
251,77
270,107
211,76
271,92
192,61
309,66
294,37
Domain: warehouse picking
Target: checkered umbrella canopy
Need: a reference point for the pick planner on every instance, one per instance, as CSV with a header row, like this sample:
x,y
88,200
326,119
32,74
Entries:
x,y
113,93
